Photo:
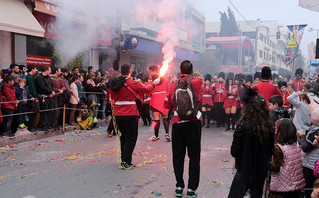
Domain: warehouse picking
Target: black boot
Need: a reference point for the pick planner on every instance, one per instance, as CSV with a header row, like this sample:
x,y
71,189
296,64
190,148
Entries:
x,y
208,119
233,121
227,122
204,118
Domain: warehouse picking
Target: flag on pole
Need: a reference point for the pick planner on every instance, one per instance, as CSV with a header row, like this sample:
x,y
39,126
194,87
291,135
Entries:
x,y
294,36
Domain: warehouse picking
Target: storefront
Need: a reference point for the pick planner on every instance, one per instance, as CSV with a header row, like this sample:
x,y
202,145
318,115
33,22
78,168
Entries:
x,y
13,31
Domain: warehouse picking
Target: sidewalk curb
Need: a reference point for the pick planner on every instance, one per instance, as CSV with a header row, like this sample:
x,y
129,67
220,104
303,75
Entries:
x,y
28,136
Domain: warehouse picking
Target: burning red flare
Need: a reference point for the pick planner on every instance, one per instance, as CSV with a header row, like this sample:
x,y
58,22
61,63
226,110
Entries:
x,y
164,68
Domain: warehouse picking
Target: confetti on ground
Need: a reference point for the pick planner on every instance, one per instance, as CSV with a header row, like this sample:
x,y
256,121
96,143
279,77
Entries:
x,y
156,193
12,146
225,161
2,177
3,182
59,140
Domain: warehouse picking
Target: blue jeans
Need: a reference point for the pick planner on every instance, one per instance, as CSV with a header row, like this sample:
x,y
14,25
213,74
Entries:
x,y
104,103
7,121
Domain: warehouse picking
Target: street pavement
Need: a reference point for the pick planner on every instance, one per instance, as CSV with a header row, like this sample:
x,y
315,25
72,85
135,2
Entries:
x,y
84,164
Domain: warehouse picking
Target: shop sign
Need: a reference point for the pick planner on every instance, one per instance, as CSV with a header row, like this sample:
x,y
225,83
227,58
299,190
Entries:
x,y
39,60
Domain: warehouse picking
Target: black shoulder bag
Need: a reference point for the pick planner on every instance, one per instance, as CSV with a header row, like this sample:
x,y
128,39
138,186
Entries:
x,y
139,102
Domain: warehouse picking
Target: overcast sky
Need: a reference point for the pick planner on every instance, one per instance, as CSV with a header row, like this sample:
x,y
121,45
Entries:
x,y
285,11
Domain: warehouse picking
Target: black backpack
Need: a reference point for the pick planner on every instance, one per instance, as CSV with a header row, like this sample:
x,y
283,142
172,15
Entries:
x,y
185,99
117,83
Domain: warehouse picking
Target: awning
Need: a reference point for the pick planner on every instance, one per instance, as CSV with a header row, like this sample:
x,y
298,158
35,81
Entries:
x,y
16,17
230,42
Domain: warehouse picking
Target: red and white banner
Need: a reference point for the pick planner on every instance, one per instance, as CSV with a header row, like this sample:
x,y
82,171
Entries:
x,y
39,60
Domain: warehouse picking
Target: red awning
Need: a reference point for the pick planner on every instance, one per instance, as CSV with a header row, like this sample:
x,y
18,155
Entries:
x,y
230,42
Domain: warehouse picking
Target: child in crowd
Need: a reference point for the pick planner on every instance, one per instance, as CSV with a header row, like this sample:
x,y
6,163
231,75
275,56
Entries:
x,y
292,109
287,178
74,99
315,192
23,95
10,105
311,152
277,109
284,94
85,117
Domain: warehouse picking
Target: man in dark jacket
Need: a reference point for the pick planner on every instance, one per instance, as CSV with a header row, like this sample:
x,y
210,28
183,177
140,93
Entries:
x,y
32,70
46,92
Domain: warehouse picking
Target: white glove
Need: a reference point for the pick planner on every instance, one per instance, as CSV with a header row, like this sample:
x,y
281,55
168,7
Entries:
x,y
157,81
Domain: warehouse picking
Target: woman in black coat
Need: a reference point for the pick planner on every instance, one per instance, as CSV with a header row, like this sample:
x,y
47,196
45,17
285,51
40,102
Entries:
x,y
252,147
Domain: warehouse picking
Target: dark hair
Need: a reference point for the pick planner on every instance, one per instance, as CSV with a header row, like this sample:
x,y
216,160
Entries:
x,y
45,68
89,68
305,97
249,78
299,71
125,69
31,67
257,75
266,73
276,99
116,65
21,67
282,84
63,70
307,86
186,67
8,78
286,131
208,77
13,65
75,77
154,68
75,68
256,112
227,82
54,70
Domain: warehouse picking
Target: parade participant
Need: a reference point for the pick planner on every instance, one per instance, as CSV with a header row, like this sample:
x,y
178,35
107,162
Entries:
x,y
126,112
298,82
45,90
186,134
265,87
287,179
145,109
275,79
207,94
284,94
230,103
311,152
157,104
257,79
246,85
252,147
219,100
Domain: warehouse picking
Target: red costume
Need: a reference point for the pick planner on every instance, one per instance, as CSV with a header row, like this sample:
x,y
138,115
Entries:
x,y
9,95
197,84
231,97
158,96
298,84
220,92
124,100
207,96
267,89
286,102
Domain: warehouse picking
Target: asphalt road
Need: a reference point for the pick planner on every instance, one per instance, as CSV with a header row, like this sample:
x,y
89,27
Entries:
x,y
84,164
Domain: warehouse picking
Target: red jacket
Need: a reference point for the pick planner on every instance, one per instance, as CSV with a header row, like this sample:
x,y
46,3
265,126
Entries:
x,y
197,84
267,89
9,95
158,96
298,84
286,102
220,92
207,96
125,101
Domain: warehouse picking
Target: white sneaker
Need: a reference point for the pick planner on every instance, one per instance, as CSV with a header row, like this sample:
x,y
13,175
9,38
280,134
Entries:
x,y
167,137
154,139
